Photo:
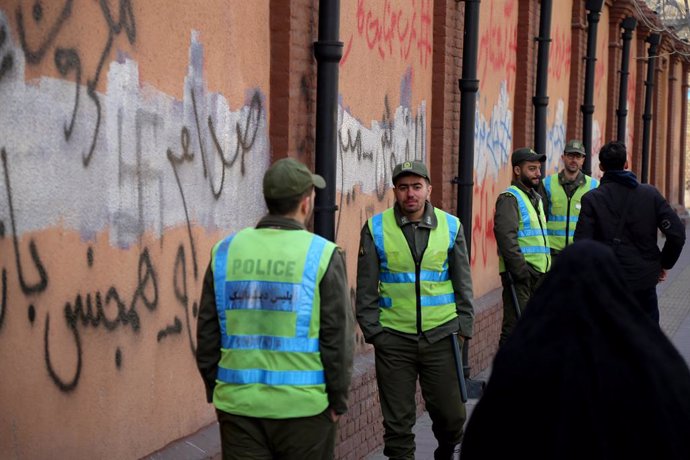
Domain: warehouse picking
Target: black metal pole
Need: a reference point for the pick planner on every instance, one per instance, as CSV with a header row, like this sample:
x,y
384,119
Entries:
x,y
594,8
541,98
469,85
328,51
628,25
654,40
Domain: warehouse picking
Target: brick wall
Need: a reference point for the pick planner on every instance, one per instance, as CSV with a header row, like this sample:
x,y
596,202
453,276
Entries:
x,y
523,115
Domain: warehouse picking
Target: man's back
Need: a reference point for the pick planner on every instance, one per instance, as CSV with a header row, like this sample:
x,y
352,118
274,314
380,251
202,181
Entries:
x,y
644,211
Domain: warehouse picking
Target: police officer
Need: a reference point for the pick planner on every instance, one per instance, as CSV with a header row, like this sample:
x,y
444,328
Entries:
x,y
414,290
275,330
520,231
564,191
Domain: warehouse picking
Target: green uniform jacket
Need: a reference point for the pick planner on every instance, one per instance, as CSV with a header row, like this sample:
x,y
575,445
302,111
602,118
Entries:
x,y
336,333
417,239
506,224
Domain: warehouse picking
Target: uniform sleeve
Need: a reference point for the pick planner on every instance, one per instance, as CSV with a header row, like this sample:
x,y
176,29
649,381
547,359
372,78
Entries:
x,y
461,277
584,230
336,333
208,336
672,227
506,224
367,300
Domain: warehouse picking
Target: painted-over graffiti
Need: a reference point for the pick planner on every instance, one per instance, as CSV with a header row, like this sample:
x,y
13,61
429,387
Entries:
x,y
393,29
493,138
367,156
559,54
555,140
151,163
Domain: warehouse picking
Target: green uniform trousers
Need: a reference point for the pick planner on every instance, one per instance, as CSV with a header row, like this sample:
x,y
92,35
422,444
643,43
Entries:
x,y
523,290
399,361
304,438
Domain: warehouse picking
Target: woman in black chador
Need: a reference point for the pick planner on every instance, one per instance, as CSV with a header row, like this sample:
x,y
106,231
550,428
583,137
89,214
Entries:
x,y
584,375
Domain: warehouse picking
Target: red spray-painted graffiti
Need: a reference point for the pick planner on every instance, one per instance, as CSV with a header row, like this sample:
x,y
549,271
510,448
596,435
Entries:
x,y
559,54
393,31
498,44
483,239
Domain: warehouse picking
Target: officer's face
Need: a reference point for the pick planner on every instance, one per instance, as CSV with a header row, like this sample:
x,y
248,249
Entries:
x,y
573,161
529,173
411,192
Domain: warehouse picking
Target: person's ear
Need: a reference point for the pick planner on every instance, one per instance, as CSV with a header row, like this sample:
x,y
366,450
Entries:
x,y
516,170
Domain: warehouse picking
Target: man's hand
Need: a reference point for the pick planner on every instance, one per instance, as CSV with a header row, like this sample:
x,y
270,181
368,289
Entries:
x,y
662,275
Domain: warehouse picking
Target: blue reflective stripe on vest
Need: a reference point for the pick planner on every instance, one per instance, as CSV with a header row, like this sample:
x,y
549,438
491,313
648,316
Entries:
x,y
452,230
219,280
424,275
435,300
261,295
265,342
377,227
593,183
425,300
547,186
250,376
560,232
553,218
530,232
524,213
310,273
535,250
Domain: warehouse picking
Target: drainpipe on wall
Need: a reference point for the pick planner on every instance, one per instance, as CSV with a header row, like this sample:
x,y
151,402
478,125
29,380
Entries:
x,y
594,8
654,40
469,85
628,25
328,51
541,98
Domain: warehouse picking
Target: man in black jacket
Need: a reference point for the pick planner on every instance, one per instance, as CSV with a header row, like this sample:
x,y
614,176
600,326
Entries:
x,y
634,238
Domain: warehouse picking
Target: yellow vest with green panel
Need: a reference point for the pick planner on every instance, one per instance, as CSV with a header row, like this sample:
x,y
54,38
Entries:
x,y
414,298
564,210
532,237
267,295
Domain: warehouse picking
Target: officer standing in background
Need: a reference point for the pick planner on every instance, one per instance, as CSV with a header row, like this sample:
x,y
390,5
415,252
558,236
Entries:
x,y
275,334
520,231
564,191
414,290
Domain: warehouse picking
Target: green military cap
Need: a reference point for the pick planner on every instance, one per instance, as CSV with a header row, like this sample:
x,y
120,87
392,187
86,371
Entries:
x,y
288,177
526,154
574,146
417,168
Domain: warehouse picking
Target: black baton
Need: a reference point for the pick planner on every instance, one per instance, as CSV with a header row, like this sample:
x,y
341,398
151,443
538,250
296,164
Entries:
x,y
458,367
513,294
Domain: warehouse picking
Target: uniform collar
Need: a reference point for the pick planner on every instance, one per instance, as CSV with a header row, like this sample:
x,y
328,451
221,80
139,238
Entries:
x,y
579,180
428,218
284,223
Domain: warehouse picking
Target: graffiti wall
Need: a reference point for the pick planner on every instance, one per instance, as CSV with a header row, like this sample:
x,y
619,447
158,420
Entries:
x,y
493,132
601,91
558,88
130,140
633,110
383,113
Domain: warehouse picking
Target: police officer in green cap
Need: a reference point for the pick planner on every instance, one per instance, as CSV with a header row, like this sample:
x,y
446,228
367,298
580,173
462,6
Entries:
x,y
414,291
564,192
275,332
521,238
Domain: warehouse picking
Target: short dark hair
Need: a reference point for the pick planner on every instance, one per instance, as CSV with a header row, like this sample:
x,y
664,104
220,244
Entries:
x,y
284,206
613,156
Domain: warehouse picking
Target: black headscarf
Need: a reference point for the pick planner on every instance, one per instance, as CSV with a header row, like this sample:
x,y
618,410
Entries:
x,y
585,374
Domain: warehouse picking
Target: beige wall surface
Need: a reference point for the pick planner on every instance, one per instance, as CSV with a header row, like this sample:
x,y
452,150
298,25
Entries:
x,y
133,135
493,139
384,109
